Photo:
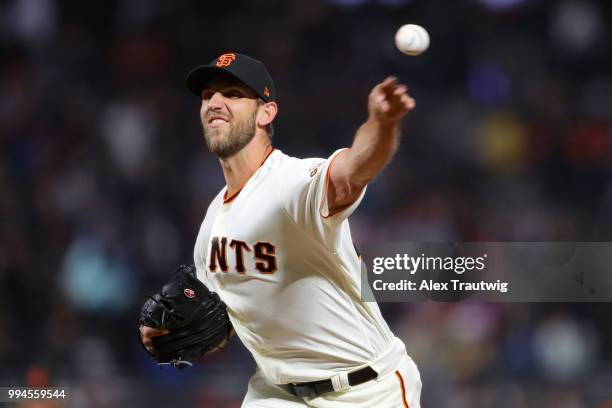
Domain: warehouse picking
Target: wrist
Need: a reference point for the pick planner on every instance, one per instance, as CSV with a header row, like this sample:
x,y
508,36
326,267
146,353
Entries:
x,y
383,123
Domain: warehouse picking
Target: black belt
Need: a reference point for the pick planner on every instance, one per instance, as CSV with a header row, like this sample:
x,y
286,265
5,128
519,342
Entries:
x,y
315,388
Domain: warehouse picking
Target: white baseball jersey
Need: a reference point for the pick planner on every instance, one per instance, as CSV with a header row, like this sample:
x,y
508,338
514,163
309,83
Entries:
x,y
290,275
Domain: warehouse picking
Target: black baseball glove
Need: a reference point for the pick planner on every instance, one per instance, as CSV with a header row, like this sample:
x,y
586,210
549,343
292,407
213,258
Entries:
x,y
195,317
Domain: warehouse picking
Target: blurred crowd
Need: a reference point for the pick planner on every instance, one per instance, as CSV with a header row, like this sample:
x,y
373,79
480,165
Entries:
x,y
104,179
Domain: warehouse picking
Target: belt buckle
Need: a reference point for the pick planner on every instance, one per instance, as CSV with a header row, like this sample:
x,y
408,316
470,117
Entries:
x,y
303,390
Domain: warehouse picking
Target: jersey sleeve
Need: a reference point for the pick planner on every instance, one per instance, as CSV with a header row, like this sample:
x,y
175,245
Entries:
x,y
303,191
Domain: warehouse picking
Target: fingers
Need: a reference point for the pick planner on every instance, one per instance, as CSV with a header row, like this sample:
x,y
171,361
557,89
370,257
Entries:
x,y
408,102
147,333
400,90
151,332
390,99
384,88
389,81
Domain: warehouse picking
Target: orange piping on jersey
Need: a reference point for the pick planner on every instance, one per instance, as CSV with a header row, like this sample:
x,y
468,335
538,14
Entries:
x,y
227,199
401,380
327,185
230,198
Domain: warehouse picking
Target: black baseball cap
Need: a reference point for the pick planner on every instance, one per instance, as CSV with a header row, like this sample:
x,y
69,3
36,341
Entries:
x,y
247,70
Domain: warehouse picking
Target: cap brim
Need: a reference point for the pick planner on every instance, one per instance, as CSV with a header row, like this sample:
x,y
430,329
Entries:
x,y
197,77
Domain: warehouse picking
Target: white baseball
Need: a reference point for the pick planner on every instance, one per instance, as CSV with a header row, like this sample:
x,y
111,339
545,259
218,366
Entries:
x,y
412,39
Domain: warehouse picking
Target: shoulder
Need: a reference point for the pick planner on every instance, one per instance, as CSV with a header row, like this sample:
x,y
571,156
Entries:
x,y
290,167
297,179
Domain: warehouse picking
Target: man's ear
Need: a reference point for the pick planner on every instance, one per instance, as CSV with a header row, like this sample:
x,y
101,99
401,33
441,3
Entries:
x,y
267,114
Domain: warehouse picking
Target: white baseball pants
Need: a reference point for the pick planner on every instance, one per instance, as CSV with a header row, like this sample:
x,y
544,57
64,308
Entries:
x,y
398,389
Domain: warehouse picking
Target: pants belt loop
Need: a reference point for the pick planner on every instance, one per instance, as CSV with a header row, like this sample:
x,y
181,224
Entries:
x,y
340,382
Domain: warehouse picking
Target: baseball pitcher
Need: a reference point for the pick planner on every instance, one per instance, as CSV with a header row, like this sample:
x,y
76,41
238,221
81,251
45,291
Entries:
x,y
276,247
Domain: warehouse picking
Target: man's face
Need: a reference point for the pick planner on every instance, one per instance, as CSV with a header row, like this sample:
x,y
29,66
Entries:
x,y
228,115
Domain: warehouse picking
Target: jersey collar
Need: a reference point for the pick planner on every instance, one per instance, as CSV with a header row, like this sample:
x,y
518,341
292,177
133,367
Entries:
x,y
229,199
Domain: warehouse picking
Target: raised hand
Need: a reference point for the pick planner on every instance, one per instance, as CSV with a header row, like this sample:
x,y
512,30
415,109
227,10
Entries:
x,y
389,101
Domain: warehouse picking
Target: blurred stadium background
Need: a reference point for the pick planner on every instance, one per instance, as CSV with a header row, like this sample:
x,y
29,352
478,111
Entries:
x,y
104,179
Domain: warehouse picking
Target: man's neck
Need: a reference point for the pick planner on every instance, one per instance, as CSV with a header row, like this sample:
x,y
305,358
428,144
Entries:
x,y
239,168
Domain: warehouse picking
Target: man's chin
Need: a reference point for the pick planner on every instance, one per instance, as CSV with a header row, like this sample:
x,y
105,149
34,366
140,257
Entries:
x,y
223,152
215,139
224,143
217,146
215,133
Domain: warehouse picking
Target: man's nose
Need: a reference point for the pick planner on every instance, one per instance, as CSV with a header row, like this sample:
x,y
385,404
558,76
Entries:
x,y
216,101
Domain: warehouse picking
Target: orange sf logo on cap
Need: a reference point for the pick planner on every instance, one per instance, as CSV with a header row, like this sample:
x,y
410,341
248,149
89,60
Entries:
x,y
266,91
226,60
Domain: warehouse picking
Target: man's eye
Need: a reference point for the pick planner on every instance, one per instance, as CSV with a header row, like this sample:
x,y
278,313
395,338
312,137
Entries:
x,y
234,94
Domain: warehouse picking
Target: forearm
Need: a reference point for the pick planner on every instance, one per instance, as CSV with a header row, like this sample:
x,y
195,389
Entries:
x,y
373,147
375,143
